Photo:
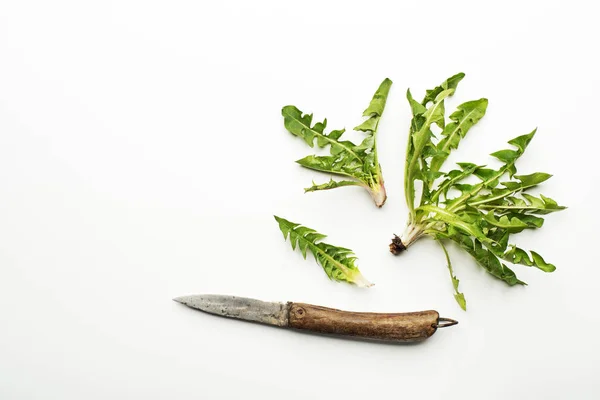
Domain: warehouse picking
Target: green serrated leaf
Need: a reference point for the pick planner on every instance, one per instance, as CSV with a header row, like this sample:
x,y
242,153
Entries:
x,y
490,177
450,83
443,215
331,164
501,237
331,185
486,258
527,181
458,296
463,119
513,224
337,262
435,113
510,204
420,138
510,156
539,262
534,201
521,142
516,255
359,162
464,187
300,124
453,178
531,220
375,109
416,107
506,156
460,299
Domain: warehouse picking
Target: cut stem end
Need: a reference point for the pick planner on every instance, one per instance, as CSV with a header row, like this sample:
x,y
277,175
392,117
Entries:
x,y
361,281
378,194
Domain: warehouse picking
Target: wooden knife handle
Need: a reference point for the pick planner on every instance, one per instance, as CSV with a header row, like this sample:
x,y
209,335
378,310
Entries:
x,y
400,327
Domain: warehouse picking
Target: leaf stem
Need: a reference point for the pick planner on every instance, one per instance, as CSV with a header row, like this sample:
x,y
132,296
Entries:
x,y
460,298
411,234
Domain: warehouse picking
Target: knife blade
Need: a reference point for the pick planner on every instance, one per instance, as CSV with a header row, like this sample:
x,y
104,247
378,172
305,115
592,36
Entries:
x,y
389,327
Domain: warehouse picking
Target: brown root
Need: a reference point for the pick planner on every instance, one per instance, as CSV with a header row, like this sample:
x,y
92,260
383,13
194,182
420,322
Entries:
x,y
397,247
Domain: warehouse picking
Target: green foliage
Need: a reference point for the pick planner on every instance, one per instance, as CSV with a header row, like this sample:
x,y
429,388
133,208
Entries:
x,y
463,119
337,262
330,185
359,162
484,215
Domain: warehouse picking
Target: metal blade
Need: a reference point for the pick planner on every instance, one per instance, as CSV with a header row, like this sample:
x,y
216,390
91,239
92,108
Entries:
x,y
269,313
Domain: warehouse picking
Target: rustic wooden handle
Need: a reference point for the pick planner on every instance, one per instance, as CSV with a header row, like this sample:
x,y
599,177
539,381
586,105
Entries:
x,y
401,327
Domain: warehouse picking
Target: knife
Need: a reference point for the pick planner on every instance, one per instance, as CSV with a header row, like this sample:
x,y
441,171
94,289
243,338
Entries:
x,y
394,327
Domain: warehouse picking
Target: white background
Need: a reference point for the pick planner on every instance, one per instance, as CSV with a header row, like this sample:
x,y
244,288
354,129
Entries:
x,y
143,155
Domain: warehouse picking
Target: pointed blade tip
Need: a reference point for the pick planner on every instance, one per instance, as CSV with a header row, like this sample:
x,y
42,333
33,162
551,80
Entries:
x,y
181,299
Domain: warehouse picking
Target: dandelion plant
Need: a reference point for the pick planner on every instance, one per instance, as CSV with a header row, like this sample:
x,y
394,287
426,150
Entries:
x,y
481,218
337,262
357,164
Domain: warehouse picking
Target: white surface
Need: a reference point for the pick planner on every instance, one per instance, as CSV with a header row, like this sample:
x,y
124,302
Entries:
x,y
142,156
